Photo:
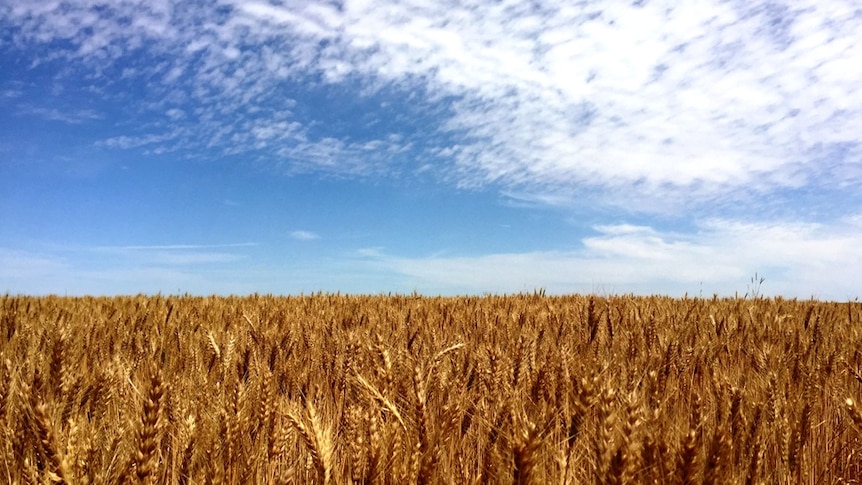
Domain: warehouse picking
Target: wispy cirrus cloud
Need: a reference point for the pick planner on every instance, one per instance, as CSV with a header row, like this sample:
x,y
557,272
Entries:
x,y
177,254
368,157
662,97
126,142
76,116
175,247
656,100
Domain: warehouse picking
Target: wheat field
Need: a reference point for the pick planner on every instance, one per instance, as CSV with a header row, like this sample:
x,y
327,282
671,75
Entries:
x,y
340,389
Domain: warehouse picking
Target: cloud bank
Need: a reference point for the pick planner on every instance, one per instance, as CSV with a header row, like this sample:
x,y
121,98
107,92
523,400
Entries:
x,y
797,260
720,256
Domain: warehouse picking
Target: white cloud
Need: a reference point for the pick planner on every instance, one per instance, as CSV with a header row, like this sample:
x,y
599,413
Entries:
x,y
112,270
173,247
370,252
175,254
175,114
17,264
369,157
126,142
53,114
314,20
695,98
667,100
184,258
304,235
797,259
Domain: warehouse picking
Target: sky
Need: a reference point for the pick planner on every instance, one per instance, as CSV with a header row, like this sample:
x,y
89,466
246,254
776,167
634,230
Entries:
x,y
431,146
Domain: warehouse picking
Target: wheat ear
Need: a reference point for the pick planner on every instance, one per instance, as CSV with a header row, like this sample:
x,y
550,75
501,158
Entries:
x,y
148,428
317,439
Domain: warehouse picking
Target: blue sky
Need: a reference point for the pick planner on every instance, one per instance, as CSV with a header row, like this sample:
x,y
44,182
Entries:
x,y
440,147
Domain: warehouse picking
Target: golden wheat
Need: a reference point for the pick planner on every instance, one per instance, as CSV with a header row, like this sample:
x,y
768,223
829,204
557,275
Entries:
x,y
349,389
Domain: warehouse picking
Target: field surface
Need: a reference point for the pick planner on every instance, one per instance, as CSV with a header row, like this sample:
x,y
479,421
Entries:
x,y
335,389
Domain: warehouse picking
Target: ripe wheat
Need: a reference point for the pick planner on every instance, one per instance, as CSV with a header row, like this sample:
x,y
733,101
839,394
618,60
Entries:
x,y
334,389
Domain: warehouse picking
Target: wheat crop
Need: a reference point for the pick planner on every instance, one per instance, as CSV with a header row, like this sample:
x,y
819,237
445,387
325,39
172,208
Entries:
x,y
341,389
